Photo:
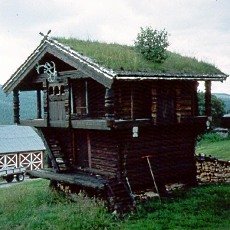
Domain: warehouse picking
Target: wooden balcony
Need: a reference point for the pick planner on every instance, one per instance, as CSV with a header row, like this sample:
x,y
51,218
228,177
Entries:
x,y
198,122
34,122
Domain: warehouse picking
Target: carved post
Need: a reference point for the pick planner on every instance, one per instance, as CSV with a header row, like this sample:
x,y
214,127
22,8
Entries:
x,y
109,107
16,104
208,110
39,105
46,102
67,102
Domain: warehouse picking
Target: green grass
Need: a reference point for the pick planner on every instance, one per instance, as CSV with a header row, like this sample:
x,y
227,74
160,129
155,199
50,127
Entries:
x,y
206,207
214,145
123,57
31,205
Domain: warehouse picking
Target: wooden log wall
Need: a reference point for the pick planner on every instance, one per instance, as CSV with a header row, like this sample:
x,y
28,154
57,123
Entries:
x,y
186,101
170,151
140,100
104,152
164,101
96,94
132,100
122,103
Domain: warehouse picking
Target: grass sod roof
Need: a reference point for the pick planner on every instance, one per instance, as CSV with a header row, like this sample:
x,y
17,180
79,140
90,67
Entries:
x,y
124,58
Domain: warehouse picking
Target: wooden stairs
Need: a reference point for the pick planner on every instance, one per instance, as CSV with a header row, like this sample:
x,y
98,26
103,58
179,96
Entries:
x,y
57,156
120,198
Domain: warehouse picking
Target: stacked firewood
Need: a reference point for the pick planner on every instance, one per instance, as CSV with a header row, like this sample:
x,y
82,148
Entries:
x,y
212,170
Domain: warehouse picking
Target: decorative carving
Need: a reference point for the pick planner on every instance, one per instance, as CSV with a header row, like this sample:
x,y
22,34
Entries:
x,y
49,69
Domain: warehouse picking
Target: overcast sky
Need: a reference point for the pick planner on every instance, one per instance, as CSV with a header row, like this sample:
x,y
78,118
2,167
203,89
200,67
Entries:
x,y
197,28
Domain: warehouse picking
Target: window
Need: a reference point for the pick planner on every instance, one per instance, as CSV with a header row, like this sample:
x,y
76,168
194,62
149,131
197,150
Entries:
x,y
56,90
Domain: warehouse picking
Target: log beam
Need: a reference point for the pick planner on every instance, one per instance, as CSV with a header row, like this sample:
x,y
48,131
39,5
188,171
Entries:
x,y
39,105
208,110
79,179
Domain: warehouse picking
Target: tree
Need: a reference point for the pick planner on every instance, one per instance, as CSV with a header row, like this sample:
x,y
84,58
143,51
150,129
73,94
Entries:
x,y
218,108
152,44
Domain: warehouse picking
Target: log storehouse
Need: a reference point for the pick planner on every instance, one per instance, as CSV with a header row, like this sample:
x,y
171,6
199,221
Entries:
x,y
115,124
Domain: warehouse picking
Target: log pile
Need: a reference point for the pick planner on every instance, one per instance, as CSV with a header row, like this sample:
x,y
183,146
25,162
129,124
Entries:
x,y
212,170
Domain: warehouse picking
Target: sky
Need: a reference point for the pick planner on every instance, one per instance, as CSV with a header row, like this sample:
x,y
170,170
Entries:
x,y
197,28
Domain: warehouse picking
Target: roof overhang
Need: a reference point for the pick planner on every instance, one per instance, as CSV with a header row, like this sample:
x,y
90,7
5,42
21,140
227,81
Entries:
x,y
64,53
169,76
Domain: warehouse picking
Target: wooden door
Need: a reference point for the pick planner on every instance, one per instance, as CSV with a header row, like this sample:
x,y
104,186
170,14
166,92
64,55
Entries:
x,y
57,99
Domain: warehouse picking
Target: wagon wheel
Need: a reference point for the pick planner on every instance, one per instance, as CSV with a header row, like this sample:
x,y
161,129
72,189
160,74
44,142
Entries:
x,y
9,178
20,177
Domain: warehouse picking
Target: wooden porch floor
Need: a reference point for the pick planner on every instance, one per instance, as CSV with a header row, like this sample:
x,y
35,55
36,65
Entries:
x,y
77,178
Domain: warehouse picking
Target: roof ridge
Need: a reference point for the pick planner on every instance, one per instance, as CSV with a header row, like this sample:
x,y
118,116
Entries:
x,y
86,59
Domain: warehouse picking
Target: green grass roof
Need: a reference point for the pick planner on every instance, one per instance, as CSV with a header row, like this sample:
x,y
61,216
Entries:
x,y
122,57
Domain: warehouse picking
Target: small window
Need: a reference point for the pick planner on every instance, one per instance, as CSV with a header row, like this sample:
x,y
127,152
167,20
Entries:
x,y
56,90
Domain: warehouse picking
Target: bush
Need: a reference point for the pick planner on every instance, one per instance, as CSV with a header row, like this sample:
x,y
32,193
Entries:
x,y
152,44
211,138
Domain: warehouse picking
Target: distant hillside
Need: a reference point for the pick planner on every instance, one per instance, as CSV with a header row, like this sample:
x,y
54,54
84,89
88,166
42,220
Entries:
x,y
27,106
226,99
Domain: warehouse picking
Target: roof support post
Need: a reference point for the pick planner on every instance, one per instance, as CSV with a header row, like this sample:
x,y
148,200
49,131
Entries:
x,y
46,102
109,107
195,99
16,105
208,108
39,105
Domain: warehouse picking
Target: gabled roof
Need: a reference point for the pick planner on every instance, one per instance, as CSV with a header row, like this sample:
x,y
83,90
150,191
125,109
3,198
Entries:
x,y
15,138
102,67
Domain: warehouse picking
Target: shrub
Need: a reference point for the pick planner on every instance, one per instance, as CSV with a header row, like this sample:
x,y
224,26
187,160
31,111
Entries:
x,y
152,44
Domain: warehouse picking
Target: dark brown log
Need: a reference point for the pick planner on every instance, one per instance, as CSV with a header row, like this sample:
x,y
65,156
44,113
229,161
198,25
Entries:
x,y
16,106
80,179
39,105
208,110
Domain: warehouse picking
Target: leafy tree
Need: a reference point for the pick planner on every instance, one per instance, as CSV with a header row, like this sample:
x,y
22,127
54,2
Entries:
x,y
152,44
218,108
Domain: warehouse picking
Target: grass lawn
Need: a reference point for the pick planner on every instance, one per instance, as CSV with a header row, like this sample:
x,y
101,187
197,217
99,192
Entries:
x,y
214,146
31,205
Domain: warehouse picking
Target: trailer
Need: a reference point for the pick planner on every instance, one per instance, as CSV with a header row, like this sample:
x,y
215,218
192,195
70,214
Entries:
x,y
10,173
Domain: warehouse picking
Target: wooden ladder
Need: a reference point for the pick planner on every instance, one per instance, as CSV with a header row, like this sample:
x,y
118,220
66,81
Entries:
x,y
119,196
56,156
